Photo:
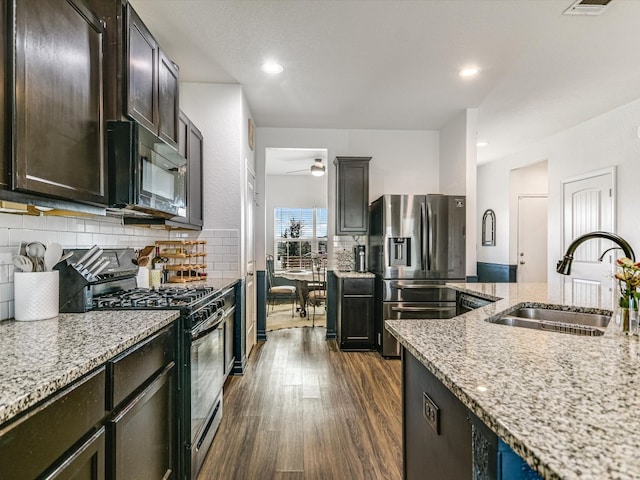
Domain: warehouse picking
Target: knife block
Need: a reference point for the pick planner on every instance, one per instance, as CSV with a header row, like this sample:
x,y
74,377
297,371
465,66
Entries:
x,y
75,289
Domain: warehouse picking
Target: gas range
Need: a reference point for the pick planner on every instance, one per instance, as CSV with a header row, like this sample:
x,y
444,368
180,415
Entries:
x,y
144,298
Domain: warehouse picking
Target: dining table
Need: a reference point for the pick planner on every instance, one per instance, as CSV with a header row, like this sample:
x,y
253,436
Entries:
x,y
302,279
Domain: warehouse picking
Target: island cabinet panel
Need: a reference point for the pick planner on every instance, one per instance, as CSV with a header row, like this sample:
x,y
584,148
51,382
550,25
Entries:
x,y
352,195
436,431
42,441
58,121
355,325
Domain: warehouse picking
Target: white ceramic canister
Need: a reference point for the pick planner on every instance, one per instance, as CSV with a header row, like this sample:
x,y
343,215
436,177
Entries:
x,y
37,295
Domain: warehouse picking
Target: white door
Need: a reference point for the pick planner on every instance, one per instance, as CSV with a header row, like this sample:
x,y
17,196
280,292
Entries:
x,y
588,207
532,239
250,261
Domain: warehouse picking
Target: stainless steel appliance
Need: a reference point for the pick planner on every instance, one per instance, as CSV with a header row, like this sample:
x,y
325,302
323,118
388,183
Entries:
x,y
205,343
416,244
145,173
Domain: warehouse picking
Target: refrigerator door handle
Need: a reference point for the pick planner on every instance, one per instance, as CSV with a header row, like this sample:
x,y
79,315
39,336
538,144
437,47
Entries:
x,y
423,237
430,227
422,309
418,286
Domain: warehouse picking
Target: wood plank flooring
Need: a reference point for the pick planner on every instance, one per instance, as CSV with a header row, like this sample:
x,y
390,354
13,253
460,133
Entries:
x,y
304,410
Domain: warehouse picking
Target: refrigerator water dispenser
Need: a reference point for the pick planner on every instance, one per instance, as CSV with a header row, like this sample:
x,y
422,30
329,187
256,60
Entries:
x,y
400,252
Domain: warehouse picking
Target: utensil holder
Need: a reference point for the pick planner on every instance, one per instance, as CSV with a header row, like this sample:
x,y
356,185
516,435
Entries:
x,y
37,295
142,278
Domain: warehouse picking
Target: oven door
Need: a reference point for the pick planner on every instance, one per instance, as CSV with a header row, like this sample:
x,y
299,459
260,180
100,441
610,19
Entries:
x,y
206,381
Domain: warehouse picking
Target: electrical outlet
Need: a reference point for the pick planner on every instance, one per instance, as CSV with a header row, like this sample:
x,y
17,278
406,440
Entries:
x,y
431,413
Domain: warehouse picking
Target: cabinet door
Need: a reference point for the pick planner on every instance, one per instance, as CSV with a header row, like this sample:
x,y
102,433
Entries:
x,y
59,126
85,463
352,195
142,70
357,322
168,100
143,434
195,171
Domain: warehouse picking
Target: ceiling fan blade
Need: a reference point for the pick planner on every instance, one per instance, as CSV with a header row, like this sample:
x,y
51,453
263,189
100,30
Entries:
x,y
298,171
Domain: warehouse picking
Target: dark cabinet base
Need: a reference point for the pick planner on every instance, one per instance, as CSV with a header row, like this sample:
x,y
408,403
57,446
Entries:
x,y
355,319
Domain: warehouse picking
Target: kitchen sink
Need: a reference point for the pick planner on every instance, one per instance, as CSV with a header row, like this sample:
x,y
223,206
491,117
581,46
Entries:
x,y
562,321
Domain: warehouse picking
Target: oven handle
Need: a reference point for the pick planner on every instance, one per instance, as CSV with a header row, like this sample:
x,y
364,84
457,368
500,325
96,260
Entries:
x,y
207,326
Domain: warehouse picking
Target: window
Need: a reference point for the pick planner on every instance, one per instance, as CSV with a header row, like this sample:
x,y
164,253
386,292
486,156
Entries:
x,y
299,232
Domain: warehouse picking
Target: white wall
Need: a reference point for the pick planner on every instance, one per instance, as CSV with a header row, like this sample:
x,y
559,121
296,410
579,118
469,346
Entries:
x,y
217,110
458,166
301,191
403,162
609,139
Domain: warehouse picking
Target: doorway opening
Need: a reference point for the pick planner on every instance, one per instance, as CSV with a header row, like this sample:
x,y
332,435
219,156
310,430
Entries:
x,y
528,193
296,204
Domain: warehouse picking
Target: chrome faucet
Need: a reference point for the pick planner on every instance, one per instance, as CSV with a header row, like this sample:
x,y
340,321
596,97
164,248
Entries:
x,y
564,265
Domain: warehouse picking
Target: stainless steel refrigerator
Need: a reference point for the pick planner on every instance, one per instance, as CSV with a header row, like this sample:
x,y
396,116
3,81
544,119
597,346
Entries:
x,y
416,244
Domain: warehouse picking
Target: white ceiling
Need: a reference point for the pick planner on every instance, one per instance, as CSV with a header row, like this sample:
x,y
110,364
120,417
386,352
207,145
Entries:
x,y
392,64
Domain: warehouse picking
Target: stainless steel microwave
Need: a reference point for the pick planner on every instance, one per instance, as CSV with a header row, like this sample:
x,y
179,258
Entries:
x,y
145,173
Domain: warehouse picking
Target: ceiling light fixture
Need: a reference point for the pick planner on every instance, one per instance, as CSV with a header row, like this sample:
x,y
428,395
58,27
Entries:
x,y
318,169
469,72
272,68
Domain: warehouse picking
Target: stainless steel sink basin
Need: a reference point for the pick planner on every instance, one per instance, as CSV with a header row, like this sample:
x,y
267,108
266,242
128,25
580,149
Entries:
x,y
577,323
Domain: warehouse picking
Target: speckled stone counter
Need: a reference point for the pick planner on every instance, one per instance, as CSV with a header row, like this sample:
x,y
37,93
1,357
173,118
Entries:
x,y
342,274
569,405
38,358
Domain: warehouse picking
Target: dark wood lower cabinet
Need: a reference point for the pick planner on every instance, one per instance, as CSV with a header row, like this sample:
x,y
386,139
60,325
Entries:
x,y
355,319
142,435
85,463
120,421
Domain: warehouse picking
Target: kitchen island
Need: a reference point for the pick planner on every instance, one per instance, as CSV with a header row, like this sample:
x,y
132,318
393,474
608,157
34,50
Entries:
x,y
567,404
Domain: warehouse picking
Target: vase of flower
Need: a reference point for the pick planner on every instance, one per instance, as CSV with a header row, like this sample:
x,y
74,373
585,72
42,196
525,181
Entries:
x,y
626,314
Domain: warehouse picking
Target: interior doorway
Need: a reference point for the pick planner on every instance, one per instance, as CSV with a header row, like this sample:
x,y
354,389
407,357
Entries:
x,y
532,239
296,208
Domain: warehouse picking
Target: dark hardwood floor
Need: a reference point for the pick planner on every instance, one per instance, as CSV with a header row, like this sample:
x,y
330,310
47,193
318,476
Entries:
x,y
304,410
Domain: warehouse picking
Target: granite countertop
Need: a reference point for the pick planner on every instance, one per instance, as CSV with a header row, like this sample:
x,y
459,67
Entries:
x,y
40,357
350,274
569,405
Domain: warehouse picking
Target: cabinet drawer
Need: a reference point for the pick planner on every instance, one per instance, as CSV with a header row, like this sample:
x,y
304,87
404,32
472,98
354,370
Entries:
x,y
357,286
134,367
34,442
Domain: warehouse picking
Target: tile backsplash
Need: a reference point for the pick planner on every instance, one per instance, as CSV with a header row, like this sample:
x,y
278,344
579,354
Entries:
x,y
223,246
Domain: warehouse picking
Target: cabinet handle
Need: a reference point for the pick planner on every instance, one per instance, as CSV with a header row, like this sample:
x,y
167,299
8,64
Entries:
x,y
422,309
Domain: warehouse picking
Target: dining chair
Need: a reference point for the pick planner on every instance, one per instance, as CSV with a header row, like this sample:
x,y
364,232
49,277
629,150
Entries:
x,y
278,292
318,296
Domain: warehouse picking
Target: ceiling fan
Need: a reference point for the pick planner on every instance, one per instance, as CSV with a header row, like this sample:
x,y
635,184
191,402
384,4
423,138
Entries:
x,y
317,169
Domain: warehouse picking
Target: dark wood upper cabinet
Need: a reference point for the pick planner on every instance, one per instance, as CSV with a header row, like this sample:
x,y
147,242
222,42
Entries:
x,y
58,121
142,72
190,145
142,83
352,196
168,99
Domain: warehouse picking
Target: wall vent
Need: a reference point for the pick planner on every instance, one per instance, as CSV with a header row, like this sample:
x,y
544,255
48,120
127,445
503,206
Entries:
x,y
587,7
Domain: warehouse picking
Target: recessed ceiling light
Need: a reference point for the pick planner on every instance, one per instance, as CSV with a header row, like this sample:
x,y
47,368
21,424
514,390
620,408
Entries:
x,y
469,72
272,68
482,144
